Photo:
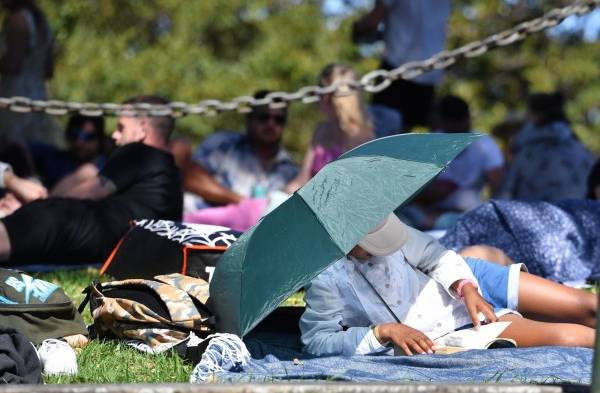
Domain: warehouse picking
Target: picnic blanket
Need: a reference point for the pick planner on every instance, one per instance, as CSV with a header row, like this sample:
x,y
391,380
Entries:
x,y
278,357
551,365
558,241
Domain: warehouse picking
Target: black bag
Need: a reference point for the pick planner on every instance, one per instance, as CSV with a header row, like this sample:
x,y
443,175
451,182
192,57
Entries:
x,y
37,308
154,247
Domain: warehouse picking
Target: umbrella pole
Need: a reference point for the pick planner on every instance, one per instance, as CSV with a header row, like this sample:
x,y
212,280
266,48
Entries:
x,y
596,367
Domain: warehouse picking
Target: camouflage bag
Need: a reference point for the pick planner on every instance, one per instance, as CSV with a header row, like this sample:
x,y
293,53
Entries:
x,y
159,313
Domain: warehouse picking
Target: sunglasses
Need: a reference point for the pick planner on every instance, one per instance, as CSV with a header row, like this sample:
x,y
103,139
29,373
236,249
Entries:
x,y
264,117
82,135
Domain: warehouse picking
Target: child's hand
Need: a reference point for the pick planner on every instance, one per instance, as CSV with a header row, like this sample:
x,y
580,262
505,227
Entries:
x,y
408,339
476,304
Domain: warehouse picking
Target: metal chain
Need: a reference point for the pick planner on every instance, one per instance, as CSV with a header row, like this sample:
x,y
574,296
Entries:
x,y
373,82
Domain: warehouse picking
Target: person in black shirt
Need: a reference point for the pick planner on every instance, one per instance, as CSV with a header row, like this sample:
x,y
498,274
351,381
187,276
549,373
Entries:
x,y
84,224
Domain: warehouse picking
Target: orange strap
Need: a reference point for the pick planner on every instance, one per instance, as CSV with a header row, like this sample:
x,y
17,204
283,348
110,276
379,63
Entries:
x,y
111,256
197,247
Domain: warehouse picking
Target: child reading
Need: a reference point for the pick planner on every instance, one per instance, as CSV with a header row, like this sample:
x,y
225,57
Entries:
x,y
400,287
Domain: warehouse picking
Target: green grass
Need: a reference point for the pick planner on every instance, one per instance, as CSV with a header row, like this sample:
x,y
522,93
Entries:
x,y
108,361
111,362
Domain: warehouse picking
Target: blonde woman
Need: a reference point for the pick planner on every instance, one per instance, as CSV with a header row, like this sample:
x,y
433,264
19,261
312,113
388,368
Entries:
x,y
346,125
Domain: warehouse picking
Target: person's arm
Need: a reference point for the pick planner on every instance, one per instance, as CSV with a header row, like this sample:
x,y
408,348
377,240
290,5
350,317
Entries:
x,y
97,187
474,302
444,266
449,270
197,180
25,190
407,339
9,204
123,169
304,174
17,44
84,173
321,135
197,171
321,323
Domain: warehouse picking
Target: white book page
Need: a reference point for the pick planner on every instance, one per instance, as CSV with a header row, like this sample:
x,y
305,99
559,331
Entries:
x,y
471,338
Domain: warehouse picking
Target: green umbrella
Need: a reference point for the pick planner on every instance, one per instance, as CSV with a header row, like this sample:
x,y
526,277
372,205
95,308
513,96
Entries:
x,y
322,222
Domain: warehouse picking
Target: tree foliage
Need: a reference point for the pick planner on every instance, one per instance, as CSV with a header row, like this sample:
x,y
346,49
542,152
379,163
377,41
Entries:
x,y
108,50
497,84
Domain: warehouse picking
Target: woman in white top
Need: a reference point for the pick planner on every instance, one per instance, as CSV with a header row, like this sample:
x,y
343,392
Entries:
x,y
433,291
26,62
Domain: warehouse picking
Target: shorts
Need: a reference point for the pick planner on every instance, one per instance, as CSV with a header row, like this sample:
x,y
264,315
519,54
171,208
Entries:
x,y
499,285
58,231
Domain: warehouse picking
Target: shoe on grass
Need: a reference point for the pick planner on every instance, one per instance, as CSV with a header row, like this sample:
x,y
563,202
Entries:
x,y
57,357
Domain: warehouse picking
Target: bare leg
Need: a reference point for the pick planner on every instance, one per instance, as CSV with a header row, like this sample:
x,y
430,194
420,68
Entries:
x,y
4,243
545,300
489,253
529,333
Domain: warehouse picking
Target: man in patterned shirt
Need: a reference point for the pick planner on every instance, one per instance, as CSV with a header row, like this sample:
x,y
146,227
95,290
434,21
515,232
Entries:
x,y
254,163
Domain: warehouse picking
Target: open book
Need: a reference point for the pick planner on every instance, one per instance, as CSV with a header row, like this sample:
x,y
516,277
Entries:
x,y
465,339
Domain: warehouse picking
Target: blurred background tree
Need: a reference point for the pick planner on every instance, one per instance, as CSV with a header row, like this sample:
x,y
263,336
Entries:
x,y
108,50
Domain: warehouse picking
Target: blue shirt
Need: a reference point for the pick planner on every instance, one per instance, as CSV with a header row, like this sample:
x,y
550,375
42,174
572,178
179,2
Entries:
x,y
415,282
549,164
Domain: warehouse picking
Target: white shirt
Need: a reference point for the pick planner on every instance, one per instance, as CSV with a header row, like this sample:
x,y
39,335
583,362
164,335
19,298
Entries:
x,y
468,171
415,30
415,282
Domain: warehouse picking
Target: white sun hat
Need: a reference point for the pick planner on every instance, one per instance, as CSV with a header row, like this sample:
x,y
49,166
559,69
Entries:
x,y
386,238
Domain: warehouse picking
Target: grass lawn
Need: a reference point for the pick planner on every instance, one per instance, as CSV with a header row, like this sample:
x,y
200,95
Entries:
x,y
111,362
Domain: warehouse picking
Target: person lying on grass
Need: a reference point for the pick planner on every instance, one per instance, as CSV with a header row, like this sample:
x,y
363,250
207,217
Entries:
x,y
81,224
433,291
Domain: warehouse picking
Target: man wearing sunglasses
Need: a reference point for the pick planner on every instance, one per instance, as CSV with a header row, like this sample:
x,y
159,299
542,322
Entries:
x,y
83,224
250,164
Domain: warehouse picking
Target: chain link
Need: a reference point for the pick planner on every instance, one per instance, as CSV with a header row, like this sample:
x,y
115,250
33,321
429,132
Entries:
x,y
372,82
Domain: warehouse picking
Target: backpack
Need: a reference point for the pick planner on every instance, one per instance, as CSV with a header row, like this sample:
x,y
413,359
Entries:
x,y
37,308
160,312
153,247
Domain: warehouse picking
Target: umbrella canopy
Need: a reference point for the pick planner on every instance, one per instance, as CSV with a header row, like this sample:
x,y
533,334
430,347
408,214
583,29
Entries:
x,y
322,222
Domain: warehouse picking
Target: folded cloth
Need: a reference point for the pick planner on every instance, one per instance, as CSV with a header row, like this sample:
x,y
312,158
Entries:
x,y
19,362
237,216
